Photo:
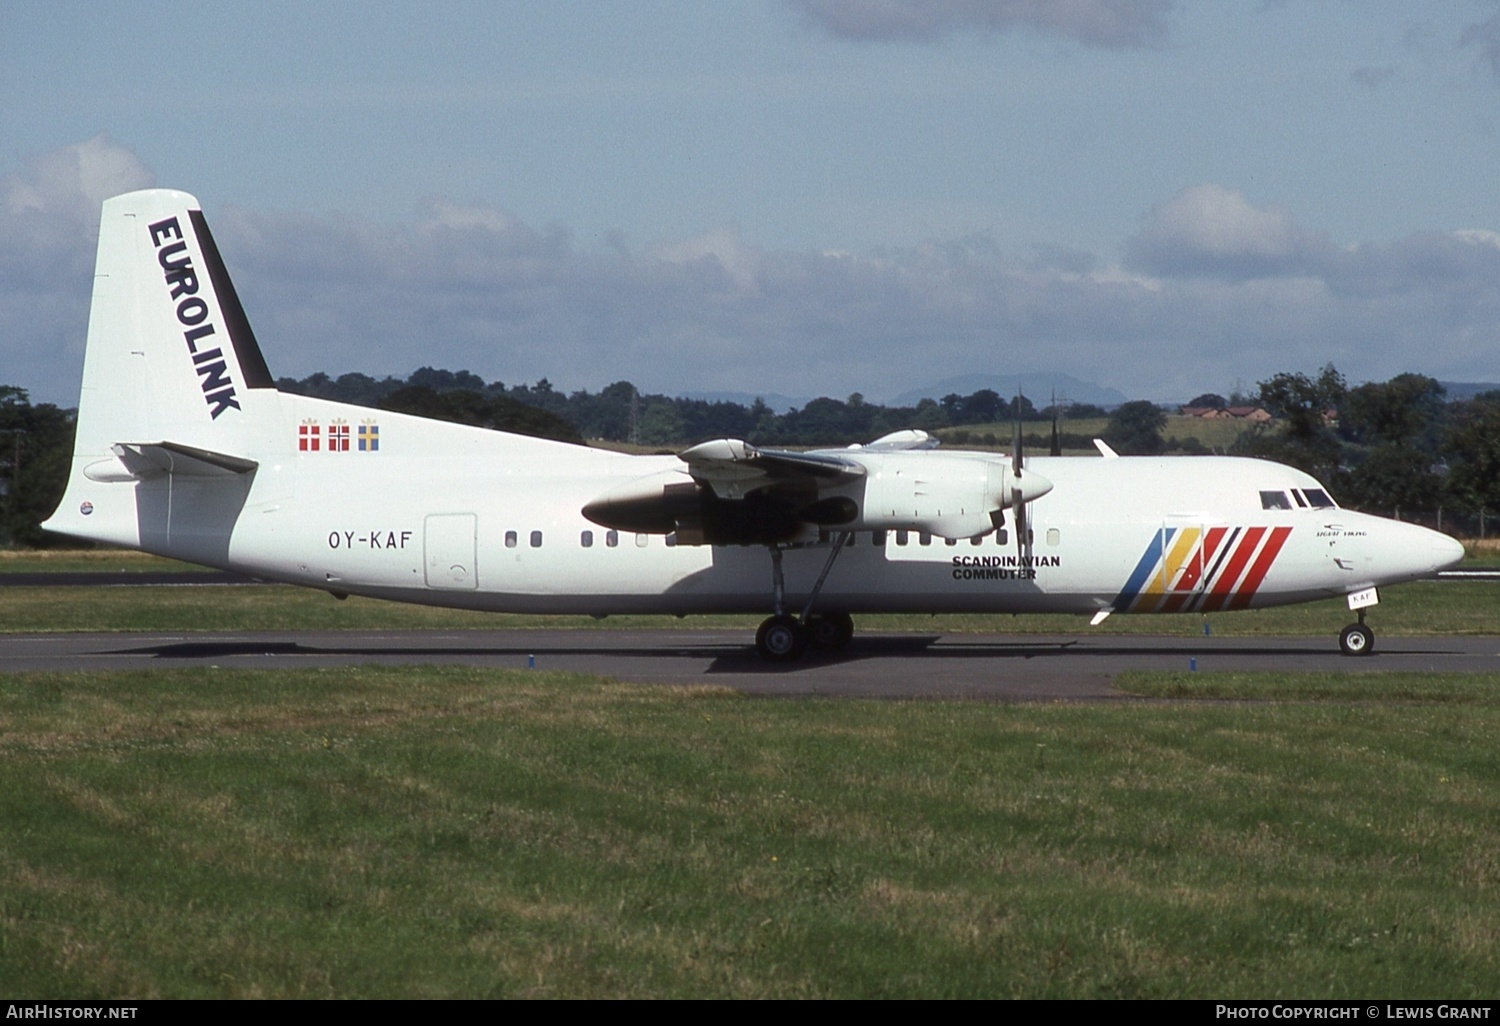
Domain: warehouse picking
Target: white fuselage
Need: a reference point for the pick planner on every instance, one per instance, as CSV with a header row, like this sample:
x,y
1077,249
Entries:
x,y
185,448
447,515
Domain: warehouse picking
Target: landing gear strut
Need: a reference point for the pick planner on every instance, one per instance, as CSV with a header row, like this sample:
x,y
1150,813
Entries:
x,y
783,637
1357,639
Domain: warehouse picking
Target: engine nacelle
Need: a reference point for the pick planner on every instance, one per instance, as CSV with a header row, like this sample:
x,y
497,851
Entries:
x,y
949,496
672,502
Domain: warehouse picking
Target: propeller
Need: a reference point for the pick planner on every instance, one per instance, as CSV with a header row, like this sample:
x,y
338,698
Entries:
x,y
1017,495
1026,486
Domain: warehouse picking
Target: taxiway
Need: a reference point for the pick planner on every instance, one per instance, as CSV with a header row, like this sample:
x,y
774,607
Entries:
x,y
992,667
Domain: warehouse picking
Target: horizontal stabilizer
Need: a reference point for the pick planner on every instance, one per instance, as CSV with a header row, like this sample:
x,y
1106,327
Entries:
x,y
141,460
901,441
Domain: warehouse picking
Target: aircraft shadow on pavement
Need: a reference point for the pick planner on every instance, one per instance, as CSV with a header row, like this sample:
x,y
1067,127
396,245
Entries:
x,y
739,658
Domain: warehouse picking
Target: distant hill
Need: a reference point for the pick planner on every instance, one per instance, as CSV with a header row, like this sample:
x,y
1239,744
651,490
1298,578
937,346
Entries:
x,y
1038,387
1468,389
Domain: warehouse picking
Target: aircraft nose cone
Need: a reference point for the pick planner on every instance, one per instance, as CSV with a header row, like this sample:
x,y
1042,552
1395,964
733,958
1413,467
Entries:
x,y
1429,551
1448,552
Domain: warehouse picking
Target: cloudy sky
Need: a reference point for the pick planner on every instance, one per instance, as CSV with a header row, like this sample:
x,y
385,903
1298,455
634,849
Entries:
x,y
795,196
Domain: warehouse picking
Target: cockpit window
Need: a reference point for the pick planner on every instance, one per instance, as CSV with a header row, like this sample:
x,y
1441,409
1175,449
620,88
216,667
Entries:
x,y
1318,498
1274,500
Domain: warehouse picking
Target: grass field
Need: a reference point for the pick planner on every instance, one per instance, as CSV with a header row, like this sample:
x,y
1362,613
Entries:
x,y
1425,607
458,832
1218,435
446,831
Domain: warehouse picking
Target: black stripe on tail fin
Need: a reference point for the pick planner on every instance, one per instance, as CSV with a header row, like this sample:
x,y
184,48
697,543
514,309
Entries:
x,y
252,363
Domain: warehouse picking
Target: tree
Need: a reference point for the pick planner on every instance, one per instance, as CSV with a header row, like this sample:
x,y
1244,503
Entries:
x,y
929,416
36,447
1394,478
661,424
496,412
1305,406
1209,401
1135,429
1472,444
983,407
1406,410
1395,430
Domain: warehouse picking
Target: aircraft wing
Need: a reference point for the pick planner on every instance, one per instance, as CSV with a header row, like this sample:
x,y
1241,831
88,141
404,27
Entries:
x,y
733,468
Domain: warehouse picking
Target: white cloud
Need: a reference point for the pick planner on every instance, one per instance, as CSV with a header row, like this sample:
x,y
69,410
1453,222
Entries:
x,y
50,211
1485,37
1215,289
1213,230
1103,23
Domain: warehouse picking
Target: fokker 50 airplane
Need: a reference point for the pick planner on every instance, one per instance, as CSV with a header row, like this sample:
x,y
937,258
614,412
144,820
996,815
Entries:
x,y
185,448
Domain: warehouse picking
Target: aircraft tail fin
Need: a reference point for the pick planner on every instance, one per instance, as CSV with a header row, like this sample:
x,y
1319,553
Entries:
x,y
173,379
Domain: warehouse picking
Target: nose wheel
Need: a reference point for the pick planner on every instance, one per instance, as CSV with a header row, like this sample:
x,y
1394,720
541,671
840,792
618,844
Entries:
x,y
1357,639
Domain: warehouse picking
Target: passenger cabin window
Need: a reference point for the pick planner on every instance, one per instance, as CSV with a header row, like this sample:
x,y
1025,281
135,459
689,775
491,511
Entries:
x,y
1274,500
641,539
924,538
1053,536
586,539
901,537
536,539
510,539
612,538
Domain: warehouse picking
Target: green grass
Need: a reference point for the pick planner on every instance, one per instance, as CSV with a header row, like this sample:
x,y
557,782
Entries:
x,y
461,832
1218,435
62,561
1426,607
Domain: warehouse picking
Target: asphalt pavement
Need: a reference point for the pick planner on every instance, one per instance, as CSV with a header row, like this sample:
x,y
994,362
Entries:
x,y
992,667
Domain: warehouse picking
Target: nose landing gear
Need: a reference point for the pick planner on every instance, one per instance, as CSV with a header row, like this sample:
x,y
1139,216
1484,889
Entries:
x,y
1357,639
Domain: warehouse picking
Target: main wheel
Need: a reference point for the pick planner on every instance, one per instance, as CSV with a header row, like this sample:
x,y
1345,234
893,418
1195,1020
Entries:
x,y
830,631
1357,640
781,639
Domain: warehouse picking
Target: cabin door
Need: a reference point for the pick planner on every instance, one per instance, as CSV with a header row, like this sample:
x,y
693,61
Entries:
x,y
449,541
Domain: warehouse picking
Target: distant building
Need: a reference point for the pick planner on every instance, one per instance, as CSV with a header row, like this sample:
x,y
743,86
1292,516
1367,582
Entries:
x,y
1254,414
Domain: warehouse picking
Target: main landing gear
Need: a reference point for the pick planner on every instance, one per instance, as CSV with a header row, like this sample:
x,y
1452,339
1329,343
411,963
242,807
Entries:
x,y
782,637
1357,639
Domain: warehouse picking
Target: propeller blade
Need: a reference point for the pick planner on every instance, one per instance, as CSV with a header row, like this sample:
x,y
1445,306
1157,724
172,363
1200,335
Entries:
x,y
1018,515
1016,454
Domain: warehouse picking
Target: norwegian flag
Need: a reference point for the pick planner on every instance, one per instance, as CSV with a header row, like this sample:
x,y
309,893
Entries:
x,y
307,436
338,436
